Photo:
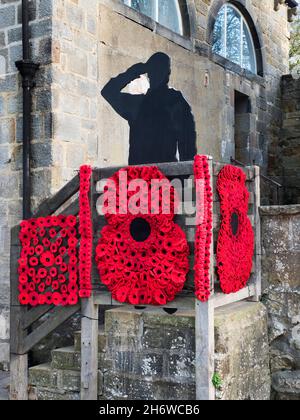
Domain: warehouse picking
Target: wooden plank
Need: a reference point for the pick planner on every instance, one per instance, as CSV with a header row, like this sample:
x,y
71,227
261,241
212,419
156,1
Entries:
x,y
35,314
220,299
257,228
19,377
89,350
104,298
56,318
205,350
168,169
51,205
72,209
18,360
89,333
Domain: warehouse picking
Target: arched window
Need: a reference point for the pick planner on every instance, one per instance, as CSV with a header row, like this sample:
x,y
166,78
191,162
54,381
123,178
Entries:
x,y
233,40
165,12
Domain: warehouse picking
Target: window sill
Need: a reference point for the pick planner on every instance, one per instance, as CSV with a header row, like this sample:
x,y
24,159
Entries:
x,y
119,7
235,68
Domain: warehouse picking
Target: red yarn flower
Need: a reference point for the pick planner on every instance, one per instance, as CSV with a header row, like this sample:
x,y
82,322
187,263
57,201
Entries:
x,y
142,258
236,238
204,228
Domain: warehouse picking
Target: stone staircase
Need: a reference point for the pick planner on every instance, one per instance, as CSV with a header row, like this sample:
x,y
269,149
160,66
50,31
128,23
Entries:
x,y
60,379
150,355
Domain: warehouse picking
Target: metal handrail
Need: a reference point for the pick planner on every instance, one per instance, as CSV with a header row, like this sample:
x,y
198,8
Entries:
x,y
266,178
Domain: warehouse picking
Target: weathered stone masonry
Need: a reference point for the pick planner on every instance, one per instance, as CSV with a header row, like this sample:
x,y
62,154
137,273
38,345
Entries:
x,y
281,268
289,146
11,131
150,355
80,45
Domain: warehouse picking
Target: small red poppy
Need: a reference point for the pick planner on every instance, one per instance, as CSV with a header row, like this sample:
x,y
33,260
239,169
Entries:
x,y
47,259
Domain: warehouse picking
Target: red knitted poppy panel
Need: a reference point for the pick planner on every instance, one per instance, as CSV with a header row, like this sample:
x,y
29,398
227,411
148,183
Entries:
x,y
204,226
151,270
86,233
48,265
55,266
235,248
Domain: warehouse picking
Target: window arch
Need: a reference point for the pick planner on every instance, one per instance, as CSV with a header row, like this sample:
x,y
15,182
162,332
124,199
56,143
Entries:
x,y
166,12
233,38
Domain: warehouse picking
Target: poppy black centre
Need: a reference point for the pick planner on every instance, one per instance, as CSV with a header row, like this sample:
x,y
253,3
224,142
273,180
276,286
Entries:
x,y
140,229
234,223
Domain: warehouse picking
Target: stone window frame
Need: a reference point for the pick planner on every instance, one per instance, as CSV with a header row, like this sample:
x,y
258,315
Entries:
x,y
188,16
241,5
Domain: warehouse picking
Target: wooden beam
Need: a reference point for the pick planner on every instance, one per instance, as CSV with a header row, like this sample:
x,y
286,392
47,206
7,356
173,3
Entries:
x,y
18,360
205,351
35,314
51,205
220,299
89,350
56,318
169,169
187,302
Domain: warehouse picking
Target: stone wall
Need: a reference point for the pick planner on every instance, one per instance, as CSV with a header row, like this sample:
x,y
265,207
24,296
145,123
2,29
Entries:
x,y
281,276
150,355
11,132
290,139
81,45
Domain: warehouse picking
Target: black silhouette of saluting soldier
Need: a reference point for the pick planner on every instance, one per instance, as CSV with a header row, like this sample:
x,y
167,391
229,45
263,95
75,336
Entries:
x,y
161,122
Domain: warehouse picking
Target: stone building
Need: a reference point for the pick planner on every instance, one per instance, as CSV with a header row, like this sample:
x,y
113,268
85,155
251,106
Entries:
x,y
233,84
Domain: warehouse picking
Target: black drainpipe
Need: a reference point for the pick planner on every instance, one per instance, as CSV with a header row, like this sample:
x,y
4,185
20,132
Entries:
x,y
28,69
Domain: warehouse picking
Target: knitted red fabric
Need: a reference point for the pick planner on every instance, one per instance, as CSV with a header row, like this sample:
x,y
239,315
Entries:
x,y
204,228
236,238
48,268
151,271
86,233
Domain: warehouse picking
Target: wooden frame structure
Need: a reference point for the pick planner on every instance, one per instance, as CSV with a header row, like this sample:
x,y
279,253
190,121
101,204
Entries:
x,y
30,326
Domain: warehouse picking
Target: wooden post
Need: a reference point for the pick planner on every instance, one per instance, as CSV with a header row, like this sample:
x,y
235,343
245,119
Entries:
x,y
18,360
205,334
89,350
258,251
19,377
205,349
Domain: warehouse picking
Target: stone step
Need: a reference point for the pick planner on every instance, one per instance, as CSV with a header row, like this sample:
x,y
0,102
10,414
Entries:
x,y
45,379
287,385
69,359
102,341
65,359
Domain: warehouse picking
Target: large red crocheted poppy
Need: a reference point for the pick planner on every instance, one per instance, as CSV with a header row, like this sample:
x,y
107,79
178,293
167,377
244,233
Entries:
x,y
236,238
142,258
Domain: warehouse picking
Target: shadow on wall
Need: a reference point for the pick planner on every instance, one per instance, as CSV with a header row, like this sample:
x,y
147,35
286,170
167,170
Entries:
x,y
162,126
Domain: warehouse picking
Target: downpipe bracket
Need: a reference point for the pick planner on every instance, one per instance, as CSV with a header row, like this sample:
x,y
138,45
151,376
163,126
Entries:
x,y
28,70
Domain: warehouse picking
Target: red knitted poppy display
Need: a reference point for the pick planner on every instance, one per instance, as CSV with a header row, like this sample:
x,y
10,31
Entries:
x,y
86,232
150,268
236,238
204,228
48,265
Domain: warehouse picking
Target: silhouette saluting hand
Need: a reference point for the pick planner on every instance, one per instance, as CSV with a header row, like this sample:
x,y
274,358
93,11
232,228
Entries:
x,y
161,122
137,70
